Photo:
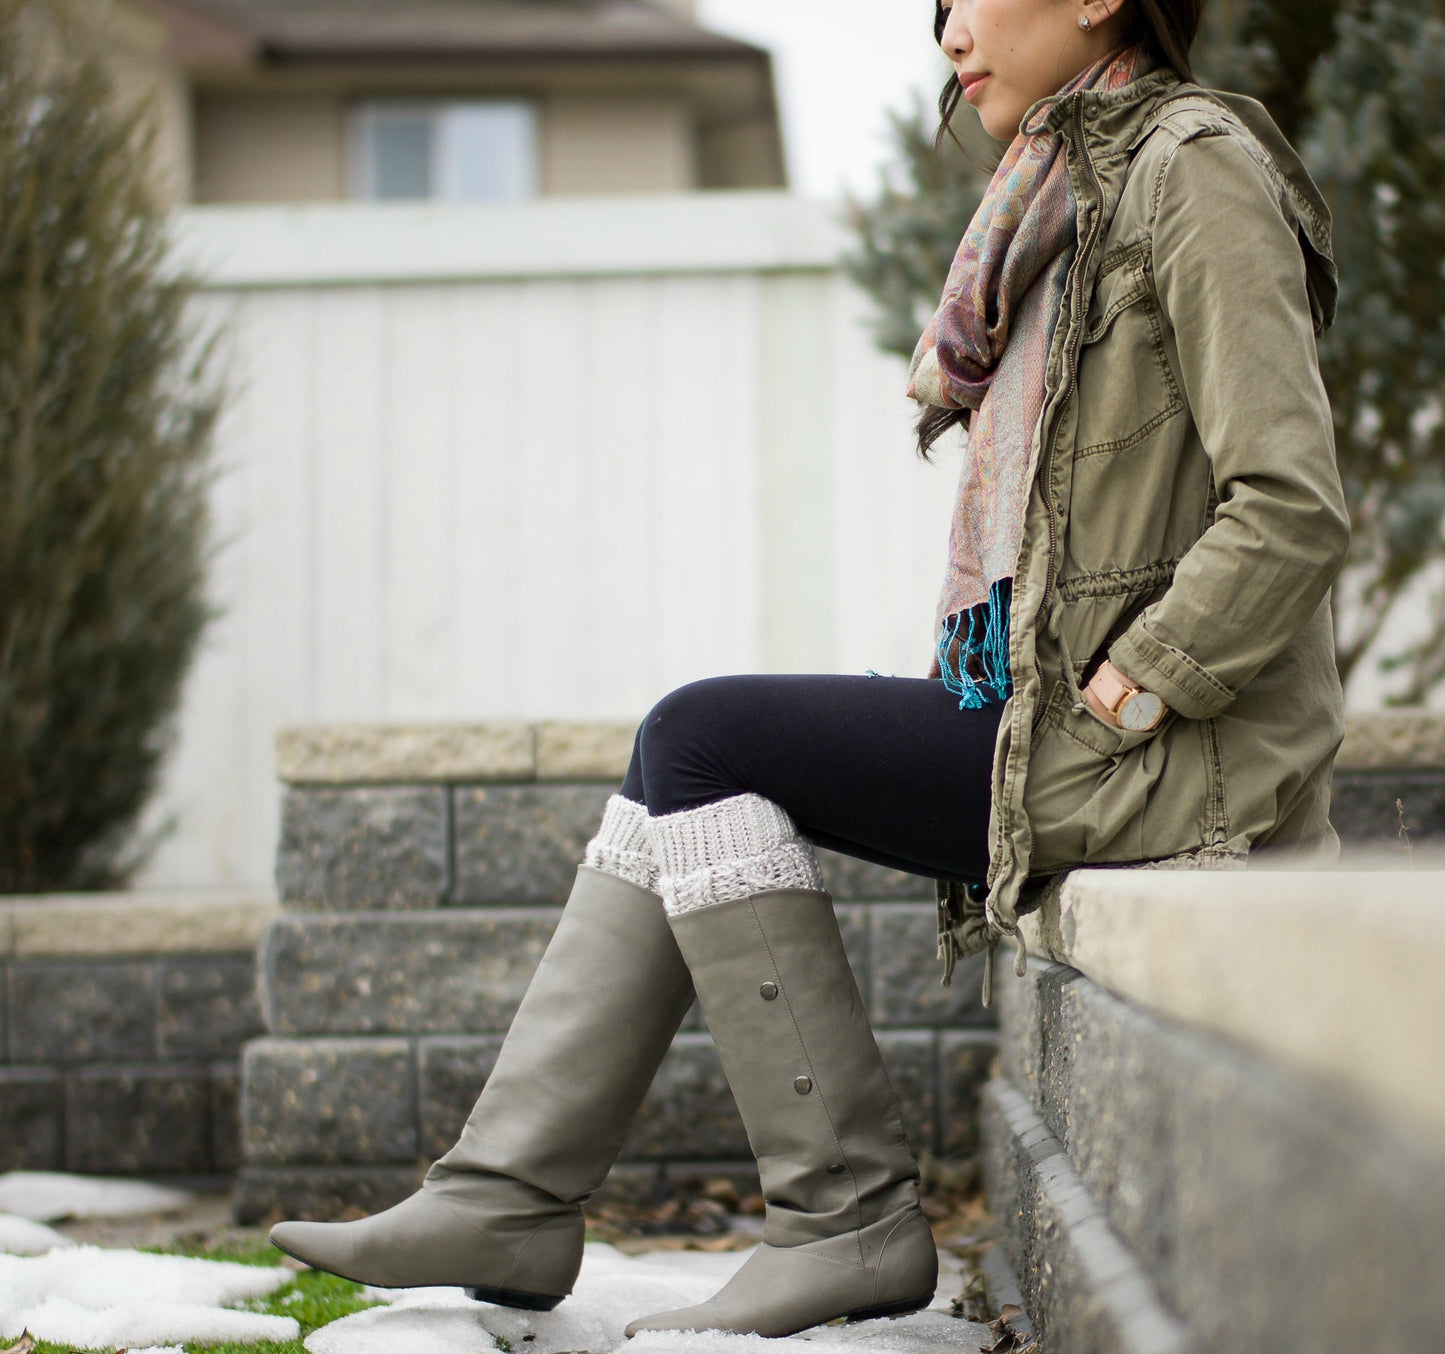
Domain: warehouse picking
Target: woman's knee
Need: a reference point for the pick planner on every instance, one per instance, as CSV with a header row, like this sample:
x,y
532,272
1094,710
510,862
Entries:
x,y
677,744
688,710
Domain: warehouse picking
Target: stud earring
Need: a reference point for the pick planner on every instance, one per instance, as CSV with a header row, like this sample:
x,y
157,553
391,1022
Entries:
x,y
1084,22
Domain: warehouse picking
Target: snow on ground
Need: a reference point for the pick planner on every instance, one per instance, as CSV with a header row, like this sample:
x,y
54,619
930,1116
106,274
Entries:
x,y
613,1289
20,1236
87,1297
91,1298
44,1196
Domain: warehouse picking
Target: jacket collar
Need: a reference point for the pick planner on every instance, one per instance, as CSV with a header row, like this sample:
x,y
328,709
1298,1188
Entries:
x,y
1114,121
1112,116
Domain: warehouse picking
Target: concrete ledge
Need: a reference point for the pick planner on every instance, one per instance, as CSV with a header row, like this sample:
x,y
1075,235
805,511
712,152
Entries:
x,y
121,1019
572,751
388,754
1081,1285
431,754
503,750
114,924
1267,1212
1333,972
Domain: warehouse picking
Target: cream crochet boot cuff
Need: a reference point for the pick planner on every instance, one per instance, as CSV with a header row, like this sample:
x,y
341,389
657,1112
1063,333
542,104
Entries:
x,y
621,846
729,850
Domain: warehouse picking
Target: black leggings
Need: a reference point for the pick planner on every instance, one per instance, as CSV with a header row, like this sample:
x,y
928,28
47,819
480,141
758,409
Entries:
x,y
887,769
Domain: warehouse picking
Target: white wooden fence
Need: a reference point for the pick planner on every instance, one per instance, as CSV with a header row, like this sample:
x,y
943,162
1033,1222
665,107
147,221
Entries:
x,y
539,461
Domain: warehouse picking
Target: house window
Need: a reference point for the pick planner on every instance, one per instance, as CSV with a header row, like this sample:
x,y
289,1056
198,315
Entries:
x,y
449,152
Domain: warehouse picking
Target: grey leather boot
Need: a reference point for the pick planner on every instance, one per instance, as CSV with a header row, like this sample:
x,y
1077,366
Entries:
x,y
844,1235
501,1213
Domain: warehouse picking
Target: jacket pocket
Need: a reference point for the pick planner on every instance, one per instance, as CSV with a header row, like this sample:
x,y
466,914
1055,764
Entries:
x,y
1123,364
1066,711
1088,785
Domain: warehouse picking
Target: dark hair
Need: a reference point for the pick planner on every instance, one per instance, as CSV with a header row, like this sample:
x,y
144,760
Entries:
x,y
1165,29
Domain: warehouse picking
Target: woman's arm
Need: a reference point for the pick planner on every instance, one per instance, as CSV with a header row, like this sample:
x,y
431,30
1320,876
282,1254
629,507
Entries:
x,y
1230,277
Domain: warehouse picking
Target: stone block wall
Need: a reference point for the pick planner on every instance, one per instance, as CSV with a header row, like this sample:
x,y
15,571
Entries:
x,y
122,1019
422,873
1218,1120
422,868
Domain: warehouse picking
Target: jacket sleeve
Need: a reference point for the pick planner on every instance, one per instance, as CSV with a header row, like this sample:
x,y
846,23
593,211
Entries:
x,y
1230,277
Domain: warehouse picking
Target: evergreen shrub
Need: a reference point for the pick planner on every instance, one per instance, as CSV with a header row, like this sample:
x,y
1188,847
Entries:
x,y
106,414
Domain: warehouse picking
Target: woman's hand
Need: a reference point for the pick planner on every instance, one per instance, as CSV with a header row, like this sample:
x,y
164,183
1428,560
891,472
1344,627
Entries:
x,y
1111,694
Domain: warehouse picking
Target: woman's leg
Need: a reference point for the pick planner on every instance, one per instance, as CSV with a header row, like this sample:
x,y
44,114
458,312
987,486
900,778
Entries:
x,y
500,1214
887,769
881,767
581,1052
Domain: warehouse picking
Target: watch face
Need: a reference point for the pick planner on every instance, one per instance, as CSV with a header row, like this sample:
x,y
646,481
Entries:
x,y
1140,710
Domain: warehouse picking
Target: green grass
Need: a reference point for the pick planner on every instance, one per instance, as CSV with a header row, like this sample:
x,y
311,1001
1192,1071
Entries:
x,y
312,1298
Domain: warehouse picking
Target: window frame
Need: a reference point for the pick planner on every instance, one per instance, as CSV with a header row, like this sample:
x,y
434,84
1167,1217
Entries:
x,y
365,112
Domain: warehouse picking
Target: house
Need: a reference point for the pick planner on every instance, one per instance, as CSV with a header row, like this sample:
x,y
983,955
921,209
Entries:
x,y
454,100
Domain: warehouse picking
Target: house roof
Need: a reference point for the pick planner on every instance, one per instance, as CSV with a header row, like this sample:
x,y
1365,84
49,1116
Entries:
x,y
325,31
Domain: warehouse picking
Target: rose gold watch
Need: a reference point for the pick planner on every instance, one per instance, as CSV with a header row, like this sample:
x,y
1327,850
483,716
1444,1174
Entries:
x,y
1128,705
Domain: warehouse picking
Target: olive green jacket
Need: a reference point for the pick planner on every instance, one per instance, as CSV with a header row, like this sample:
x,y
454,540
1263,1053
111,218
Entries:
x,y
1186,516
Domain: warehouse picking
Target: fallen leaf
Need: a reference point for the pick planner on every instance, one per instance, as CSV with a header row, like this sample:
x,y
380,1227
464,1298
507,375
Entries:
x,y
966,1309
721,1191
730,1242
26,1345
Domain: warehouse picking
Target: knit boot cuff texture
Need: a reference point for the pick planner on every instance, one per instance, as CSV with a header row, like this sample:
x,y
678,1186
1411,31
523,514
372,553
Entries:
x,y
621,846
729,850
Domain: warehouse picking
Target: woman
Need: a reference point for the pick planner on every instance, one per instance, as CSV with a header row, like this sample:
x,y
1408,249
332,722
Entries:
x,y
1134,663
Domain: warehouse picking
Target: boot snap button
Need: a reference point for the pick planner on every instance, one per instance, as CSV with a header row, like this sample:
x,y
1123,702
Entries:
x,y
768,991
802,1085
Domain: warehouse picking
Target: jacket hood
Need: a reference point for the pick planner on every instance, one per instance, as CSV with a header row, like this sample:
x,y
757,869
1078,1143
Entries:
x,y
1125,116
1312,214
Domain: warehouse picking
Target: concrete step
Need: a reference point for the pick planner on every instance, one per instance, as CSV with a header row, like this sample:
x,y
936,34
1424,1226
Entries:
x,y
1214,1081
1336,973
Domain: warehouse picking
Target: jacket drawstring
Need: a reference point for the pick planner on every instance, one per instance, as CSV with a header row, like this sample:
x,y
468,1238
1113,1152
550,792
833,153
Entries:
x,y
1021,966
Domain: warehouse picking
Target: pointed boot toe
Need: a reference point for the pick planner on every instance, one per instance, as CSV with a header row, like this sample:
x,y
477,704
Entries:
x,y
516,1260
500,1214
313,1243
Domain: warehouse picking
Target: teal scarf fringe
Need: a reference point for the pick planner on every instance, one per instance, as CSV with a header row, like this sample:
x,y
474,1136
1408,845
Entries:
x,y
973,650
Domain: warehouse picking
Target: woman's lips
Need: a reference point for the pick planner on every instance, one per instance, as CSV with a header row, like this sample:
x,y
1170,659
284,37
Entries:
x,y
974,84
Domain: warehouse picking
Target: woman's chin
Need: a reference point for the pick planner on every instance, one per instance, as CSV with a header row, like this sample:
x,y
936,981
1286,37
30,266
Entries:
x,y
1001,128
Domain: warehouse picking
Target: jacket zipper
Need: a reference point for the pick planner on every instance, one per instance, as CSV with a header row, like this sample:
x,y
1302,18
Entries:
x,y
1071,374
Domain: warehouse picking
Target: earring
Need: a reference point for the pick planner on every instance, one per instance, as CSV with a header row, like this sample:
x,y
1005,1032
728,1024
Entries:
x,y
1084,22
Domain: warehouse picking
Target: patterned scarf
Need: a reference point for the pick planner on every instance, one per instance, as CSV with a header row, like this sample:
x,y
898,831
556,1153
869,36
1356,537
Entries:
x,y
985,349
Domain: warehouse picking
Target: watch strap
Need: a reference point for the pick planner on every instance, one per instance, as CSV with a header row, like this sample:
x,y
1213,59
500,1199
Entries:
x,y
1113,689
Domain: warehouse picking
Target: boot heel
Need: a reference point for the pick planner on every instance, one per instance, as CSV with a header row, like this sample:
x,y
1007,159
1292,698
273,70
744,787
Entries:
x,y
902,1308
511,1297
